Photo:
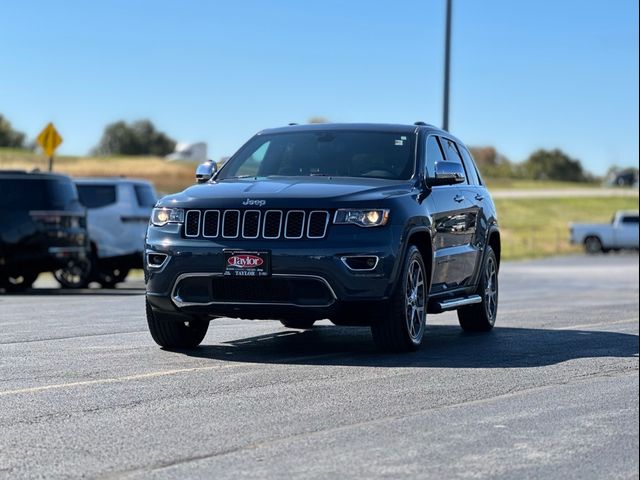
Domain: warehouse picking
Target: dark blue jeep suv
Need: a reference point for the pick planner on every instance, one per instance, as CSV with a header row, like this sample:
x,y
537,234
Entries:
x,y
363,224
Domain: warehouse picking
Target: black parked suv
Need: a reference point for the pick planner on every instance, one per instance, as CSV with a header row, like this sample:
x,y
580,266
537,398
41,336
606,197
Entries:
x,y
362,224
43,226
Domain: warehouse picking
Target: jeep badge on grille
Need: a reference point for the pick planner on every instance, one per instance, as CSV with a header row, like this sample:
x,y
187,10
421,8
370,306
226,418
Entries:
x,y
257,203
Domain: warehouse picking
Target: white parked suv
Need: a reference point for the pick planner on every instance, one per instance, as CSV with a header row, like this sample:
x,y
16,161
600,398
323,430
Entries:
x,y
118,211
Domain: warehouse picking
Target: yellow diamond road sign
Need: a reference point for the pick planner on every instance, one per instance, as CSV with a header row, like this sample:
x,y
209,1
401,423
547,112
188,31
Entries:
x,y
49,139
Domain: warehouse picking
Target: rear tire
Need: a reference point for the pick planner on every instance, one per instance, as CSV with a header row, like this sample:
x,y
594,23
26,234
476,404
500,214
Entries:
x,y
481,317
593,245
110,277
299,323
18,283
401,326
76,274
169,332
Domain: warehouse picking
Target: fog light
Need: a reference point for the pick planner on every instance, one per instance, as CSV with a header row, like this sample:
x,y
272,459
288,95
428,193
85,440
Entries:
x,y
361,262
156,260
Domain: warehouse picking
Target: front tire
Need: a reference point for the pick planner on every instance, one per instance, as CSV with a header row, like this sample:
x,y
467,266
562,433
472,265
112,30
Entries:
x,y
400,327
110,277
593,245
170,332
76,274
481,317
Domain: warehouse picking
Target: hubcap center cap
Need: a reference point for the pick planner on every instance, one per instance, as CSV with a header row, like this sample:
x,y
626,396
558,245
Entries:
x,y
413,298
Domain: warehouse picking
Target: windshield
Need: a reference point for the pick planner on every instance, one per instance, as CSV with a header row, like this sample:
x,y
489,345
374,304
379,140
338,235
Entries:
x,y
367,154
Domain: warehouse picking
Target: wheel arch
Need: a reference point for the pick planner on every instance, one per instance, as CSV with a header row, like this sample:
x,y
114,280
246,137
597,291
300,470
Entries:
x,y
421,238
592,235
494,242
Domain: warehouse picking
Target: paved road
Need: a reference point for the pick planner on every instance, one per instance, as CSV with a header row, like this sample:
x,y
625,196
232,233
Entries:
x,y
552,392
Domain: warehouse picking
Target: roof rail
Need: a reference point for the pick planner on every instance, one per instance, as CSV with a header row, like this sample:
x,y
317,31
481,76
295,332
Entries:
x,y
423,124
292,123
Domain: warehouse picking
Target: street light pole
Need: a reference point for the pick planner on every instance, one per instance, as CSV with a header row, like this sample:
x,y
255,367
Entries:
x,y
447,62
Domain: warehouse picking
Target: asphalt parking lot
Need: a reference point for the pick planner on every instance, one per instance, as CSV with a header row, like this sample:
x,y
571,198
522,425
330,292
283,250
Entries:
x,y
552,392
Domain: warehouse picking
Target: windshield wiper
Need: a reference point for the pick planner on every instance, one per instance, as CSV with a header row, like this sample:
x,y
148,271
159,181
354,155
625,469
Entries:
x,y
239,176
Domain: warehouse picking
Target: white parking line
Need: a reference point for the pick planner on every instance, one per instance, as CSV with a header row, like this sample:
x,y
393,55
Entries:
x,y
115,379
163,373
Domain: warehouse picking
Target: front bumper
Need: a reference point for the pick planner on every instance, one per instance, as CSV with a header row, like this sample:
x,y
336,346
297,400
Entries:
x,y
309,277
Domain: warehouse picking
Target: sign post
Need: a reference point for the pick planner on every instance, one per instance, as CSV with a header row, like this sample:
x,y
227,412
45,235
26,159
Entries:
x,y
49,139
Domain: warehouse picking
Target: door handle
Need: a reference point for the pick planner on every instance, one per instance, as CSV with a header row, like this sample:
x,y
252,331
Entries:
x,y
479,197
458,198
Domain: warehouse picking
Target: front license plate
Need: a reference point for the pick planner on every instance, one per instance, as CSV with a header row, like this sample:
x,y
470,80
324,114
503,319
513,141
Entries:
x,y
240,263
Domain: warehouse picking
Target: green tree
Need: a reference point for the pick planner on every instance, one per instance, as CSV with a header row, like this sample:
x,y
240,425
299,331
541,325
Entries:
x,y
493,164
8,136
318,119
138,138
554,165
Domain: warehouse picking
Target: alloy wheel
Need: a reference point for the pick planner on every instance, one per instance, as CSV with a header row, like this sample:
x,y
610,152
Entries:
x,y
415,296
491,289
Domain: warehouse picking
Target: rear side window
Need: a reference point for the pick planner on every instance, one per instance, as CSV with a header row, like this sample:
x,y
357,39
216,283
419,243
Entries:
x,y
145,195
469,166
451,153
630,220
97,196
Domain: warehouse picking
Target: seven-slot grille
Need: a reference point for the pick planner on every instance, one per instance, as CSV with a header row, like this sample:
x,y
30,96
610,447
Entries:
x,y
266,224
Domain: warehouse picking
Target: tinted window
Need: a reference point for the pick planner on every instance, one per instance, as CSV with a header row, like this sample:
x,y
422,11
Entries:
x,y
469,166
145,195
451,153
434,154
326,153
36,194
631,219
96,196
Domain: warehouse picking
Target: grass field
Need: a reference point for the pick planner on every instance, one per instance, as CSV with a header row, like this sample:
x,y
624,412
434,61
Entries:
x,y
496,184
531,227
537,227
168,177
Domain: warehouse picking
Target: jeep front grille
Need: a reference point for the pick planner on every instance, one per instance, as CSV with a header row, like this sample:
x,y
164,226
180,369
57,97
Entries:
x,y
251,224
192,223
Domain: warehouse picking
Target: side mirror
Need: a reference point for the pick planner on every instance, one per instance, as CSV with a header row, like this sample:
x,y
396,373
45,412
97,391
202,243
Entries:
x,y
447,173
205,171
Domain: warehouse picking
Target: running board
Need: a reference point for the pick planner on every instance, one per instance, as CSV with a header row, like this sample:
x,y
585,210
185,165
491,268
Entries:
x,y
454,303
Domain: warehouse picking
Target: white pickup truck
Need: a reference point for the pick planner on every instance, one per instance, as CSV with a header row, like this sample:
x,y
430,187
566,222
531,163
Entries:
x,y
621,233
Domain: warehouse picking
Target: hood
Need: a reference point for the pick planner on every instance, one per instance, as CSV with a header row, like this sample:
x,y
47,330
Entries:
x,y
300,192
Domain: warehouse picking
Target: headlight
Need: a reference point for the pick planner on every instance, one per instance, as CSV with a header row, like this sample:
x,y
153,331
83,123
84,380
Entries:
x,y
162,216
363,218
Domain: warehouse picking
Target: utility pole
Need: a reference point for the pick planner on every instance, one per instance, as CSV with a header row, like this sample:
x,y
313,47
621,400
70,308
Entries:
x,y
447,62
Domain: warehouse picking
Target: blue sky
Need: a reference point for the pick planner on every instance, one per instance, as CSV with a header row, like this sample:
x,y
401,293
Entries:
x,y
525,74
